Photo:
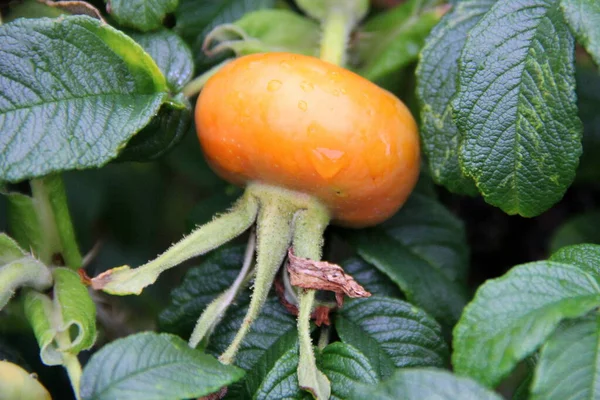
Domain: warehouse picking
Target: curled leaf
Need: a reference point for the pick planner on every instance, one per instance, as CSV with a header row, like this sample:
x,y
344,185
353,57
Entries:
x,y
321,275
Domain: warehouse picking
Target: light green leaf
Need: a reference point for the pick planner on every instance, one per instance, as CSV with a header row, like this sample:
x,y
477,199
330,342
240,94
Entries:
x,y
510,317
153,367
66,323
345,367
73,92
171,54
393,39
436,84
19,269
516,106
419,384
582,228
391,334
569,363
144,15
320,10
265,31
583,17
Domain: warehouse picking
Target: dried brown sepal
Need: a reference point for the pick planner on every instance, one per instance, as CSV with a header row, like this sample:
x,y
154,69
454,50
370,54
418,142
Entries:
x,y
320,314
216,395
85,279
321,275
100,281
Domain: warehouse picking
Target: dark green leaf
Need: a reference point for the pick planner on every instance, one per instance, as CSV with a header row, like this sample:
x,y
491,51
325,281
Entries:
x,y
195,18
436,84
153,366
345,367
74,91
160,136
423,283
144,15
569,362
199,287
282,381
582,228
392,334
510,317
371,278
171,54
588,101
432,232
516,108
583,17
419,384
392,39
218,202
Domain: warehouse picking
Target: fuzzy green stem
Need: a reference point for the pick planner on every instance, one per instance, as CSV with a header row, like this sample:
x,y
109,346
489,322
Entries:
x,y
70,362
308,243
213,314
195,85
125,280
336,30
274,231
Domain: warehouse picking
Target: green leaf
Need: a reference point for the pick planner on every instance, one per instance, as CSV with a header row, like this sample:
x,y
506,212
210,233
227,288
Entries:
x,y
200,286
19,269
153,366
583,17
67,322
423,283
321,10
418,384
265,31
569,363
391,40
163,133
436,84
144,15
582,228
345,367
510,317
588,101
371,278
282,381
391,334
171,54
433,233
56,121
516,106
195,18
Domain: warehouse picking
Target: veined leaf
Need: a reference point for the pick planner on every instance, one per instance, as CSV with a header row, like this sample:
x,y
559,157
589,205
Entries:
x,y
391,334
510,317
144,15
153,366
584,18
516,107
436,84
73,91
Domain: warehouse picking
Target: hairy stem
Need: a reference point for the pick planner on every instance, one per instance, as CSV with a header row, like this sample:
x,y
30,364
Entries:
x,y
336,30
195,85
70,362
125,280
274,227
308,243
213,314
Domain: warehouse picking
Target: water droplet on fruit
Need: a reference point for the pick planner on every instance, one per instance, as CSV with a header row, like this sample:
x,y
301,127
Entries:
x,y
274,85
327,162
302,105
307,86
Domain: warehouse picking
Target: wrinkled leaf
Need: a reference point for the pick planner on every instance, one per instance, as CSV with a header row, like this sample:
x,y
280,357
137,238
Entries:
x,y
516,108
282,381
171,54
436,84
418,384
391,334
153,366
371,278
569,362
583,17
144,15
53,120
511,316
582,228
